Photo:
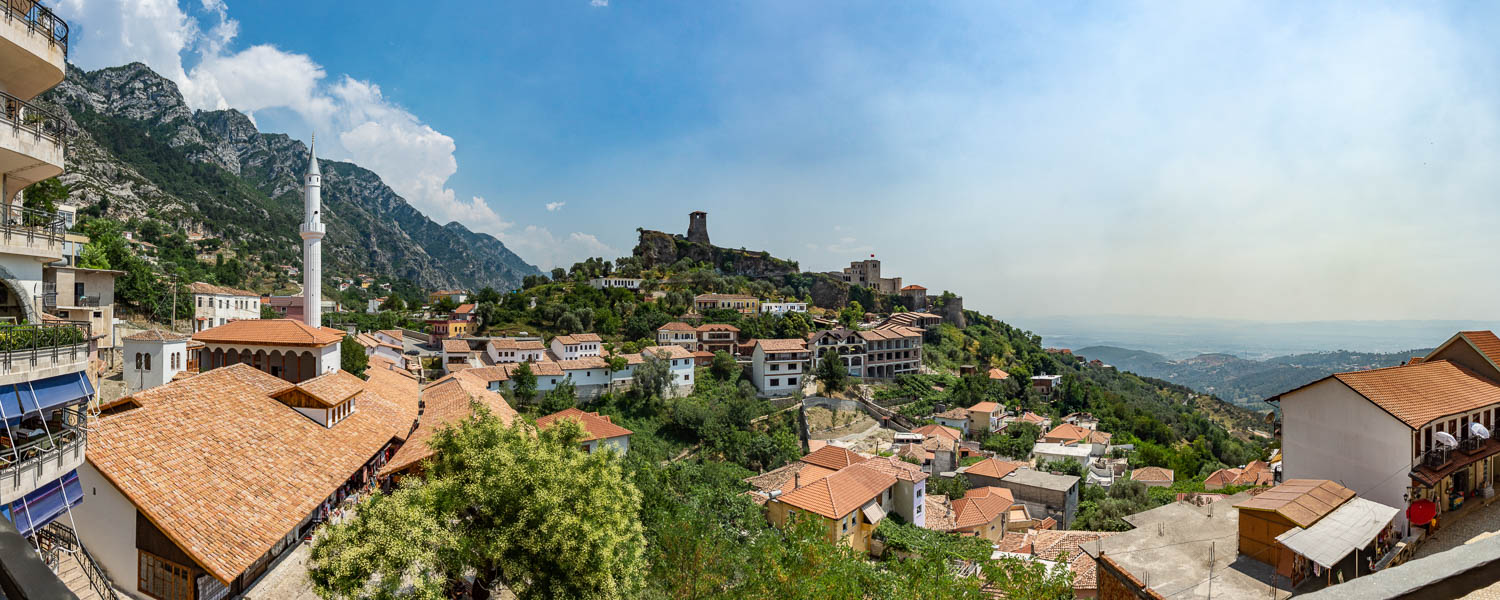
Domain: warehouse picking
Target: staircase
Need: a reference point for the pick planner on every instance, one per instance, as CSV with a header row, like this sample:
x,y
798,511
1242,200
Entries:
x,y
73,564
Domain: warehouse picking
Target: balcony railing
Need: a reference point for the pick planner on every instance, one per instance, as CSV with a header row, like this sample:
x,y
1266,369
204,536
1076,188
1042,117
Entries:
x,y
24,450
38,18
50,299
34,337
30,117
17,221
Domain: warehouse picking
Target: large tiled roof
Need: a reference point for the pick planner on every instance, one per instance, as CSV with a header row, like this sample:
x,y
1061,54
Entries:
x,y
833,457
671,351
940,515
225,470
395,333
447,402
156,335
788,477
463,309
270,332
1302,501
897,468
331,389
577,338
595,425
1418,394
991,468
540,368
718,327
941,431
985,407
199,287
1486,342
677,326
981,505
892,332
783,345
996,373
1068,433
581,363
1152,474
452,346
836,495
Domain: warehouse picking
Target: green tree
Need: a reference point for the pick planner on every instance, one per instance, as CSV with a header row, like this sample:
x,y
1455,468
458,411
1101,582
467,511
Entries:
x,y
486,294
654,374
352,356
560,398
559,274
529,512
393,302
444,304
1015,441
954,487
523,384
266,312
725,367
43,196
1020,579
1067,466
832,372
93,257
852,314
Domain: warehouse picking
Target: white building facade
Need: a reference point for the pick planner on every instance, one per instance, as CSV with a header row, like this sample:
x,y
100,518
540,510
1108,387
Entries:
x,y
215,305
153,358
778,367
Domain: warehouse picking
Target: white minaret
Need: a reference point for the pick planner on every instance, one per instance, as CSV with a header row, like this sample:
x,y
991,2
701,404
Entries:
x,y
312,241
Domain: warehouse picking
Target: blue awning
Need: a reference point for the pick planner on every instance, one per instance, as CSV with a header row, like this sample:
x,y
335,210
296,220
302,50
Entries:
x,y
30,398
47,503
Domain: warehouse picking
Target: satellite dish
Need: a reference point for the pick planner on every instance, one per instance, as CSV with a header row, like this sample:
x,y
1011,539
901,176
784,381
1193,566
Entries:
x,y
1446,439
1479,431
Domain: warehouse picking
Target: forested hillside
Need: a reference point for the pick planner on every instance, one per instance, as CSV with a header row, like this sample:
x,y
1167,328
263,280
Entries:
x,y
1240,381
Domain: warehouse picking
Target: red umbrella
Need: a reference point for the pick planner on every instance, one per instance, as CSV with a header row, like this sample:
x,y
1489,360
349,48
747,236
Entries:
x,y
1421,512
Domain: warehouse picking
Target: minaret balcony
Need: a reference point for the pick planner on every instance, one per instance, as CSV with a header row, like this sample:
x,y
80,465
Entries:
x,y
33,48
313,230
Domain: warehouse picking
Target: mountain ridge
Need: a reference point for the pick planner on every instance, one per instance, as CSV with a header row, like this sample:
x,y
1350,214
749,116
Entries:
x,y
139,152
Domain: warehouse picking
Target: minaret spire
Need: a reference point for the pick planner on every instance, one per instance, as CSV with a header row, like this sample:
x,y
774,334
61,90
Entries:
x,y
312,240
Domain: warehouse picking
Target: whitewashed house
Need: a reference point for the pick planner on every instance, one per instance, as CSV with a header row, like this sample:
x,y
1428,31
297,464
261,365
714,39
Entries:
x,y
152,358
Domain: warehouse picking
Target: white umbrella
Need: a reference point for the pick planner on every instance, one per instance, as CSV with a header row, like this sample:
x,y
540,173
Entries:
x,y
1479,431
1445,439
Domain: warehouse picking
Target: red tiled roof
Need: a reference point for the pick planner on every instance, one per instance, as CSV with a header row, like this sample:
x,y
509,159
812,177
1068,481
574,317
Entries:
x,y
577,338
997,374
782,345
156,335
839,494
332,389
1152,474
935,430
718,327
463,309
992,468
676,326
448,401
595,425
452,346
1302,501
270,332
897,468
1418,394
985,407
981,505
833,457
225,470
199,287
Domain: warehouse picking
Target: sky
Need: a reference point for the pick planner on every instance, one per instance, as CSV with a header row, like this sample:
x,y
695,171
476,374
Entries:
x,y
1247,160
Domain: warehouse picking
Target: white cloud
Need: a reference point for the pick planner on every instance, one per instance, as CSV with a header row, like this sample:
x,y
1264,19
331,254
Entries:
x,y
353,116
598,3
555,206
547,250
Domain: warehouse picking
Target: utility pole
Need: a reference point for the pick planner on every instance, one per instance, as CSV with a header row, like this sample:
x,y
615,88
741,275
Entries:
x,y
1211,570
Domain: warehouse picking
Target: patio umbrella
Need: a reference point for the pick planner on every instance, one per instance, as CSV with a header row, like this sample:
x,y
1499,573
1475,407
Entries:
x,y
1445,439
1479,431
1421,512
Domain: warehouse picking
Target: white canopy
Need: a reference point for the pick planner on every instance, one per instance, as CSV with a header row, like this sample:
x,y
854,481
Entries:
x,y
1348,528
1446,439
1479,431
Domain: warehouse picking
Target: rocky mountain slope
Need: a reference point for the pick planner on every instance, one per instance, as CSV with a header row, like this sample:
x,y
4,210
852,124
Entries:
x,y
141,153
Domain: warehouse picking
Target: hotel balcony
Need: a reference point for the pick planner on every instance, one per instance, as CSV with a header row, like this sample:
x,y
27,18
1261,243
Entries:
x,y
37,351
30,232
35,452
32,144
33,48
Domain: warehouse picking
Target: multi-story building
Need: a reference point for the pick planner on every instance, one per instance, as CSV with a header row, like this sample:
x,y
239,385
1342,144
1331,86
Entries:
x,y
778,367
515,350
291,350
745,305
1416,433
892,351
616,282
74,293
215,305
781,308
43,362
718,337
849,344
866,273
578,345
677,333
443,329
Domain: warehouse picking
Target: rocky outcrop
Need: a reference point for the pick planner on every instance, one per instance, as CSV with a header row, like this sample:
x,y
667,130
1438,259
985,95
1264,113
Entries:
x,y
828,292
659,249
141,152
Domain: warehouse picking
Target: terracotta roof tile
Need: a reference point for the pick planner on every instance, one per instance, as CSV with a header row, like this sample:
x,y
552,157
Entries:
x,y
199,287
718,327
981,505
226,471
1152,474
448,401
463,309
676,326
997,374
577,338
270,332
941,431
395,333
986,407
833,457
897,468
333,388
595,425
991,468
788,477
1068,433
452,346
581,363
841,493
1303,501
156,335
940,515
1418,394
783,345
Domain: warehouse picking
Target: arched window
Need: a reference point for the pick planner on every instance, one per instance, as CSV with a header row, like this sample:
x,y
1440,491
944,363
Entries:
x,y
148,362
138,361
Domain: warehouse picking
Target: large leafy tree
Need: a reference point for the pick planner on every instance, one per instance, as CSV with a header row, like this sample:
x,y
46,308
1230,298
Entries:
x,y
352,357
654,374
832,372
523,384
509,507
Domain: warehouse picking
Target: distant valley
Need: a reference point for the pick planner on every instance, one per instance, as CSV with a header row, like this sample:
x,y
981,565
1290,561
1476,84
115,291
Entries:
x,y
1241,381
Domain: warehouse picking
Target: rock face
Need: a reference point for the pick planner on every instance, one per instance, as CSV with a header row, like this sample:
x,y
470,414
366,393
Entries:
x,y
140,152
658,249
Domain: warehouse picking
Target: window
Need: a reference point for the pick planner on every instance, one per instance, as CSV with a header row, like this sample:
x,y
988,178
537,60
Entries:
x,y
163,579
200,302
775,382
138,361
148,362
791,381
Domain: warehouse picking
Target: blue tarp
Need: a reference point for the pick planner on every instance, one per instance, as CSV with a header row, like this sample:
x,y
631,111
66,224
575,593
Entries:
x,y
45,504
28,398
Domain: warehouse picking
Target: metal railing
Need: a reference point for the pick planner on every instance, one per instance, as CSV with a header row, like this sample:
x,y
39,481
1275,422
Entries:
x,y
59,536
37,452
31,224
35,337
30,117
38,18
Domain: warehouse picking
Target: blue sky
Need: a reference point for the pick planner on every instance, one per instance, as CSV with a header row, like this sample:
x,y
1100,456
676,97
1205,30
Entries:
x,y
1229,159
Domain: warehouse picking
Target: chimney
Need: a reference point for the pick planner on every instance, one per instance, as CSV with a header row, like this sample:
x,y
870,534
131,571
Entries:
x,y
796,480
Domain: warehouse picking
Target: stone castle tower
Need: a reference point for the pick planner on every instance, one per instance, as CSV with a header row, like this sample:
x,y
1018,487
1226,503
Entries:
x,y
698,227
